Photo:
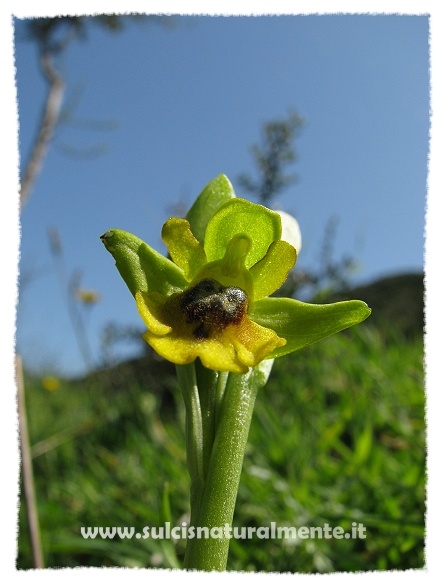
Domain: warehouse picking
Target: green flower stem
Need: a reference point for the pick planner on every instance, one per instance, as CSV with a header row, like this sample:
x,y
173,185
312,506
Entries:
x,y
219,394
207,385
193,433
202,390
221,485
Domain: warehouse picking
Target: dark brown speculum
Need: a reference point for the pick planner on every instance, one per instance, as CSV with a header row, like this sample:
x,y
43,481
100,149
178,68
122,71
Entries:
x,y
212,306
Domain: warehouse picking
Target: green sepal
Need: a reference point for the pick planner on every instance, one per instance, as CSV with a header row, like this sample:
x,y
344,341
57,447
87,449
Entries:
x,y
141,267
302,324
239,216
216,193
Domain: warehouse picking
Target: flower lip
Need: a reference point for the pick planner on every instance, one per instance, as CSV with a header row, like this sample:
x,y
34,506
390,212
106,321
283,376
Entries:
x,y
212,324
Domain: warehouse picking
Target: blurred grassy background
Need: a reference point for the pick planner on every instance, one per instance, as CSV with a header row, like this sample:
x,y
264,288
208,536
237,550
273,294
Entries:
x,y
338,436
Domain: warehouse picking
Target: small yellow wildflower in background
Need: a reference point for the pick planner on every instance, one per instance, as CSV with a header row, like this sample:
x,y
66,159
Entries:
x,y
87,296
51,383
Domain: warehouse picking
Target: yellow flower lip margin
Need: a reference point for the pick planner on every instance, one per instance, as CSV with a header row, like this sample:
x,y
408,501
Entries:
x,y
237,244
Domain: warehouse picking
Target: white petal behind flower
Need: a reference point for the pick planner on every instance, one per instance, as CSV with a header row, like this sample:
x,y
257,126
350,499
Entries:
x,y
290,230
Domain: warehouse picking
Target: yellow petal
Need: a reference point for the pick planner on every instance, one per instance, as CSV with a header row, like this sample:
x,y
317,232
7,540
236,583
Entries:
x,y
271,271
185,250
150,309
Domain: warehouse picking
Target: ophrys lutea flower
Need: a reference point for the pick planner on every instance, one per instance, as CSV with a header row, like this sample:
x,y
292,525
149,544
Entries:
x,y
210,299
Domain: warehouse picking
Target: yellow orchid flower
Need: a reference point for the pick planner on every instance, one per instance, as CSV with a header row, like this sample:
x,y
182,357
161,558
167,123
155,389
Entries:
x,y
210,301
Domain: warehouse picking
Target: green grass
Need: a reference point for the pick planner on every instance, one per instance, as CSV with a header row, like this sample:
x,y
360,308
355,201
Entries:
x,y
338,436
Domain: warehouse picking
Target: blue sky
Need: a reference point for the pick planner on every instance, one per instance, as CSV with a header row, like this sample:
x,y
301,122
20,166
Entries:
x,y
186,104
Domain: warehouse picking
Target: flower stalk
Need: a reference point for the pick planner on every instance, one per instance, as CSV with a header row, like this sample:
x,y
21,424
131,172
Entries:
x,y
214,497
